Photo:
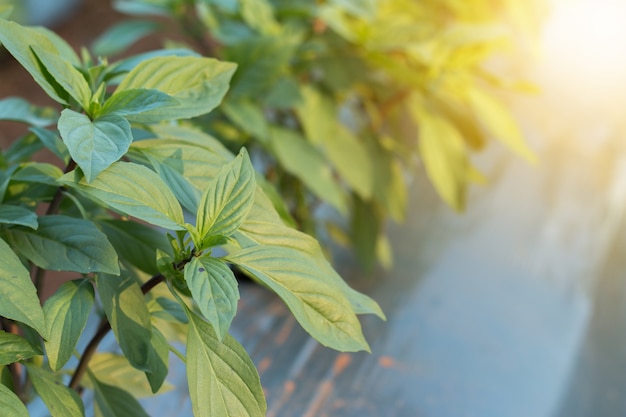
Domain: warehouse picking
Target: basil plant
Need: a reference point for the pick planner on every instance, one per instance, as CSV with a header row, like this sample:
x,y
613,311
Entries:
x,y
150,219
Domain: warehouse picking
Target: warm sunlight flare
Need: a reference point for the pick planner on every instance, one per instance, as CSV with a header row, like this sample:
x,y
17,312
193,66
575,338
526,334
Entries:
x,y
584,45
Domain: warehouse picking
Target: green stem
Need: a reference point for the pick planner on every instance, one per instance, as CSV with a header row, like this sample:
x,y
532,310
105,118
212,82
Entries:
x,y
177,353
58,196
90,350
102,331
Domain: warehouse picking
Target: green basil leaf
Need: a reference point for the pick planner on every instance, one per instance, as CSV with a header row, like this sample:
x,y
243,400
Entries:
x,y
222,378
114,369
18,215
64,73
17,109
94,145
305,162
167,309
196,163
345,152
23,149
214,289
133,190
5,179
364,231
159,359
18,296
443,151
38,172
64,243
52,141
29,194
14,348
134,102
261,62
495,118
279,204
111,401
135,242
259,15
198,83
185,192
60,400
390,188
65,49
10,404
128,314
116,71
264,227
18,40
67,312
133,7
284,94
248,116
321,309
228,199
122,35
189,134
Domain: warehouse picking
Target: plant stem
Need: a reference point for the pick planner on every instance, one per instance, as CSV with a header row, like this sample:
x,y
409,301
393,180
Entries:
x,y
151,283
102,331
58,196
178,354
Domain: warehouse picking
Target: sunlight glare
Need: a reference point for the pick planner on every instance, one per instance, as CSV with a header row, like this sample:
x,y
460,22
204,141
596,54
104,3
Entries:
x,y
585,47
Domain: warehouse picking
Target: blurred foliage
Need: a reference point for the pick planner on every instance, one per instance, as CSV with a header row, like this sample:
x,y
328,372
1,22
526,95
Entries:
x,y
342,101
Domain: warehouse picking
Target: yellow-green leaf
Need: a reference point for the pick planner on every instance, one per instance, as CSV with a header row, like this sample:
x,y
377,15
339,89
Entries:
x,y
94,144
214,289
133,190
198,83
128,314
444,155
18,296
10,404
60,400
14,348
320,308
222,378
498,121
228,199
67,312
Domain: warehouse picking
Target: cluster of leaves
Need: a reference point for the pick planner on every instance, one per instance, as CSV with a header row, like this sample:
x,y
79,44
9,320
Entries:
x,y
341,100
150,217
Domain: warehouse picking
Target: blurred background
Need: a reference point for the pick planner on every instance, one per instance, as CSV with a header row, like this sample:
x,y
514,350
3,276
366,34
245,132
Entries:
x,y
523,307
515,307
